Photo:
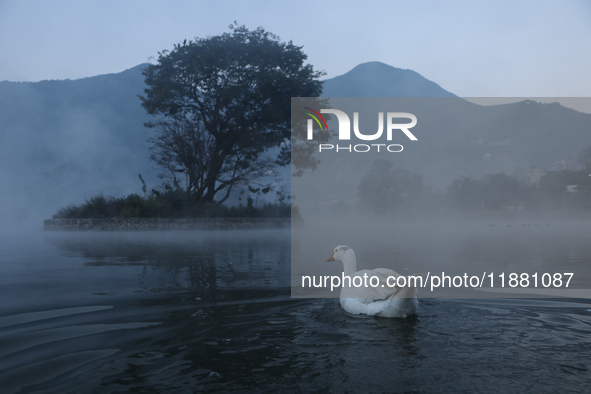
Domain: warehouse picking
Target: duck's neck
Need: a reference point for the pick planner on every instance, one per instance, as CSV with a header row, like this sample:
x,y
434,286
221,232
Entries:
x,y
350,263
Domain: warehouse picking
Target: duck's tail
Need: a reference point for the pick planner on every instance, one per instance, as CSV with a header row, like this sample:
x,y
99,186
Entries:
x,y
411,288
404,301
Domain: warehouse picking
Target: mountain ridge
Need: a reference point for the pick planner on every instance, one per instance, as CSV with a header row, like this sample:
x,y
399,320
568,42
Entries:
x,y
377,79
62,141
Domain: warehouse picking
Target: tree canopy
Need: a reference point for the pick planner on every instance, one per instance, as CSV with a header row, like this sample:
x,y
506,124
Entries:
x,y
224,102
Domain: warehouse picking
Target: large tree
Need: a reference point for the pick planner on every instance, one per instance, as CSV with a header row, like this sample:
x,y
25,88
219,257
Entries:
x,y
223,102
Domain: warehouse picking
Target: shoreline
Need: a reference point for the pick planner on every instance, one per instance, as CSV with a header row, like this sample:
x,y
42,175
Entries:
x,y
151,224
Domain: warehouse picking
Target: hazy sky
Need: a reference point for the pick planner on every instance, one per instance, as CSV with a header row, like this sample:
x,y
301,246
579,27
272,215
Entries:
x,y
471,48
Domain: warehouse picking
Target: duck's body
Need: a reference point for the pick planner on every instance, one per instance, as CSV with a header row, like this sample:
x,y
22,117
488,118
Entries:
x,y
378,298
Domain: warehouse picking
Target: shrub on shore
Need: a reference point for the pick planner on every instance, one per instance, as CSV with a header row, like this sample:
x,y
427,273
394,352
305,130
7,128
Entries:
x,y
169,204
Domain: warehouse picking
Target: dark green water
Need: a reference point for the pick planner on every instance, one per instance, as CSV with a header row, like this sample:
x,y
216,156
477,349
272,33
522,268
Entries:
x,y
212,312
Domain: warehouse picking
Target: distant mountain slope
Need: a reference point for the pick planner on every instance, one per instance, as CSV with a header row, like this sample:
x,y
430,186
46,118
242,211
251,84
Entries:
x,y
63,141
455,138
375,79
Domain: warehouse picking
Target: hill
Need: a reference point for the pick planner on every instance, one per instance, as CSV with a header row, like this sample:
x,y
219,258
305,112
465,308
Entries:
x,y
456,138
375,79
64,141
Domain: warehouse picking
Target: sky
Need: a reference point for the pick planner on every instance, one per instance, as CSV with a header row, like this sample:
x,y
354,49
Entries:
x,y
471,48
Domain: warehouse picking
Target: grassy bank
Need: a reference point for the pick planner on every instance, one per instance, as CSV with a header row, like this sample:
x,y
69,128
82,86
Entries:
x,y
170,204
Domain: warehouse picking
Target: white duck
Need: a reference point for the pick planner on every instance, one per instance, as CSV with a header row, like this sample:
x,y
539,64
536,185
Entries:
x,y
382,300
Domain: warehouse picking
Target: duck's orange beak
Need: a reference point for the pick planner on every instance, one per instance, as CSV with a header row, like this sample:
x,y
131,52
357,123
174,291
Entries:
x,y
331,258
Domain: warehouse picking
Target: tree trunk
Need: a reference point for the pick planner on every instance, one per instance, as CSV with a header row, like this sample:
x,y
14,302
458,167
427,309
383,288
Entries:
x,y
212,177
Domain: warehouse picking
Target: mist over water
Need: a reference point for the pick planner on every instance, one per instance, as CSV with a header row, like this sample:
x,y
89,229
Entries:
x,y
447,245
212,311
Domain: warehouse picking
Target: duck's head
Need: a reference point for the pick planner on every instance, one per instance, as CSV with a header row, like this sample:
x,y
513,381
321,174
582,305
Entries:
x,y
339,253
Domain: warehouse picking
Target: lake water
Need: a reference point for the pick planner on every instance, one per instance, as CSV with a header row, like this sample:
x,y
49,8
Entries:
x,y
212,312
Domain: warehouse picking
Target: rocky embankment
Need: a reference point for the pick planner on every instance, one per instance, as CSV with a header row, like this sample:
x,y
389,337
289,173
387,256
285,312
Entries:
x,y
140,224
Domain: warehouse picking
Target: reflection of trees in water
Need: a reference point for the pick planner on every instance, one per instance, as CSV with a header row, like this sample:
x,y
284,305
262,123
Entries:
x,y
203,262
244,328
202,277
